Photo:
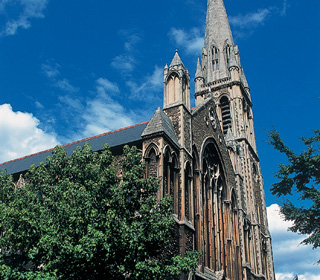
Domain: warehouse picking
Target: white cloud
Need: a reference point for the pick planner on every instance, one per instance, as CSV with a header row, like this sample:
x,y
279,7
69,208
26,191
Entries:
x,y
73,104
191,41
27,10
51,71
245,24
20,134
124,63
96,114
250,20
284,276
146,89
102,113
38,105
65,85
284,8
132,40
290,257
104,84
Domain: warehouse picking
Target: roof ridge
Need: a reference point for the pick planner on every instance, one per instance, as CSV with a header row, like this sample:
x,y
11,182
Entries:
x,y
75,142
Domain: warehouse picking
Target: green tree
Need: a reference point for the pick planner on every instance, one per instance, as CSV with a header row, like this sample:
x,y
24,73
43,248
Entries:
x,y
87,216
302,176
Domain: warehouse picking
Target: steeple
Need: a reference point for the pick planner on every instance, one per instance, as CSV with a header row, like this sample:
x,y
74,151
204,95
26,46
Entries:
x,y
218,42
218,30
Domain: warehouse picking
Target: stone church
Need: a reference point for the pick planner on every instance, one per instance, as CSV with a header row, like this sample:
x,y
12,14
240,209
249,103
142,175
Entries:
x,y
206,157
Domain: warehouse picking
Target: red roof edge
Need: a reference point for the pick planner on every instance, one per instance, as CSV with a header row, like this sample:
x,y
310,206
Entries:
x,y
79,141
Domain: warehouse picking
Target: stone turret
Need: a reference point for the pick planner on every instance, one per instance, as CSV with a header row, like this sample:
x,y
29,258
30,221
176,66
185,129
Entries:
x,y
176,83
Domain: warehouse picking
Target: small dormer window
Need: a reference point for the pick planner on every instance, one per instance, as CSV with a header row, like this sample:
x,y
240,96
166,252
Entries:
x,y
215,59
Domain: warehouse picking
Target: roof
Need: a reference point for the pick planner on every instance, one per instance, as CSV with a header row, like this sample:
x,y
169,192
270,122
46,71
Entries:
x,y
176,61
127,135
160,123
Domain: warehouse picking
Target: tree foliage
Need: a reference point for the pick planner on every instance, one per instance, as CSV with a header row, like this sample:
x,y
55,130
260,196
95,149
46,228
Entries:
x,y
87,216
300,175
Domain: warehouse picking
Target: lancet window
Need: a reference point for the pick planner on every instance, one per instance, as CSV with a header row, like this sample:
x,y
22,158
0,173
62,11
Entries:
x,y
173,88
196,195
170,178
215,58
188,197
213,196
152,162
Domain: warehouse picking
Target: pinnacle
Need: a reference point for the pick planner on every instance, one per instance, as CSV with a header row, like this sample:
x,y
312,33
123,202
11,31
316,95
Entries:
x,y
199,73
176,60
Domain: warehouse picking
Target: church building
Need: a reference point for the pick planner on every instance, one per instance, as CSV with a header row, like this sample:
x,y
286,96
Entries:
x,y
206,157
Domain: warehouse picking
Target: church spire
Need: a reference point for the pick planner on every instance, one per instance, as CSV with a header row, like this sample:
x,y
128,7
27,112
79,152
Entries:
x,y
218,42
218,30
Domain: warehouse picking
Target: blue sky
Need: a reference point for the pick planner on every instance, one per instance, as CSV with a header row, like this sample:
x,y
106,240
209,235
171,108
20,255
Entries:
x,y
73,69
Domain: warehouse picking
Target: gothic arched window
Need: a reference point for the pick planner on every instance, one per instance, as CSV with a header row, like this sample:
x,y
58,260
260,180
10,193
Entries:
x,y
152,163
213,197
173,87
225,114
188,200
196,195
215,58
170,178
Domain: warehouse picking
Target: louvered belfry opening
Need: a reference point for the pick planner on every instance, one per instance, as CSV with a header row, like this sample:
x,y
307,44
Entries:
x,y
225,114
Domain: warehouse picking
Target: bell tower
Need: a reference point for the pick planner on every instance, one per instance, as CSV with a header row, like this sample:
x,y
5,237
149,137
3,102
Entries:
x,y
222,79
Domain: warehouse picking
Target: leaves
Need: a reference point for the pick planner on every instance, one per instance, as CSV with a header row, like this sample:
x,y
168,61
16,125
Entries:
x,y
301,175
76,218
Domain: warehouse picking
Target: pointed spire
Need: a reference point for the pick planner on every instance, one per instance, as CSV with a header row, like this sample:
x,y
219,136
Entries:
x,y
176,60
199,73
217,25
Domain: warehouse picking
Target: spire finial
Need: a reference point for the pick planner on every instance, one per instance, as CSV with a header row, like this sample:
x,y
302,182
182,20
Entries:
x,y
199,73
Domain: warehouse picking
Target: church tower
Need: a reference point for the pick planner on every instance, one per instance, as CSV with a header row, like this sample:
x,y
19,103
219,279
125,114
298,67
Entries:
x,y
208,163
222,79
